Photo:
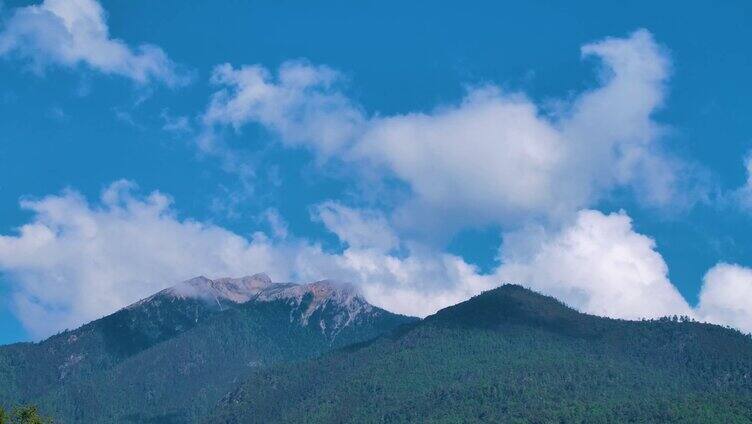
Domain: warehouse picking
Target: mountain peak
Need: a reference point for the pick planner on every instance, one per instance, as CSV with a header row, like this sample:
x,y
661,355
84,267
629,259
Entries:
x,y
329,297
236,290
332,288
510,303
260,277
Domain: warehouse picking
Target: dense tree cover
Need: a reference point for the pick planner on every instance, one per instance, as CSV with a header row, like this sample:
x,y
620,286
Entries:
x,y
28,414
169,360
79,354
511,355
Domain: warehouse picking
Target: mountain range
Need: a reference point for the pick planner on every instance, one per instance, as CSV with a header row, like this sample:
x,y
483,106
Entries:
x,y
248,350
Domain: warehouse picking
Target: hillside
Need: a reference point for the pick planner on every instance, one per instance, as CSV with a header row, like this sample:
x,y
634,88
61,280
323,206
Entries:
x,y
170,357
511,355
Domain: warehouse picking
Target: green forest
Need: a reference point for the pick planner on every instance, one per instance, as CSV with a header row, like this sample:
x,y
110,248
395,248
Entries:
x,y
507,355
511,355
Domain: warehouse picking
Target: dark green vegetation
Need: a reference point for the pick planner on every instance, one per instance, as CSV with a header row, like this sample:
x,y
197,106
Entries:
x,y
171,358
510,355
23,415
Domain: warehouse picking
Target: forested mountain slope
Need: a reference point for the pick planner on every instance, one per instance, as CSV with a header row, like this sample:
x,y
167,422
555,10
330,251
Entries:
x,y
170,357
511,355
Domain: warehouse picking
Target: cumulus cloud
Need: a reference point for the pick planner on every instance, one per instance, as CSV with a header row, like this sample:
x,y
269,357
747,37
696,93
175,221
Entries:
x,y
725,296
598,264
76,261
492,159
495,158
74,32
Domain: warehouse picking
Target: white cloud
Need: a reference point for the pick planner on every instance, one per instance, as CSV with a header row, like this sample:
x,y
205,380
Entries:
x,y
73,32
75,261
357,228
726,296
743,195
175,124
598,265
300,104
276,222
493,159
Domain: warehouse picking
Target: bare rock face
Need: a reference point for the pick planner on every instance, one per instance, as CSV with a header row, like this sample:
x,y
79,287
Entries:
x,y
236,290
328,304
319,295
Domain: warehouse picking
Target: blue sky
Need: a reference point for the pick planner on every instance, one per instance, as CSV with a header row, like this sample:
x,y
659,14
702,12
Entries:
x,y
423,151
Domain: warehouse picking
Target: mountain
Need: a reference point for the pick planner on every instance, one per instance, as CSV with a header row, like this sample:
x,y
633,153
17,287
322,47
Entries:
x,y
172,356
249,350
512,355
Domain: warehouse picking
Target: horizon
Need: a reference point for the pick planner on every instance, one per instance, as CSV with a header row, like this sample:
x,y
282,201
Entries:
x,y
601,154
198,296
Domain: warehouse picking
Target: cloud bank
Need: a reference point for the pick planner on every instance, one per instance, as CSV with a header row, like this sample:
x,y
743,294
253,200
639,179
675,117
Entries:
x,y
75,261
70,33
